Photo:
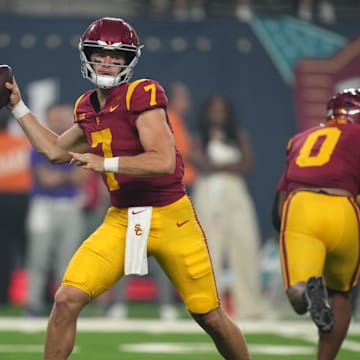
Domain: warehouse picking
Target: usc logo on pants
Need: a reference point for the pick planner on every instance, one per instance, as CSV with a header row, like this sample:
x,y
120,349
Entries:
x,y
138,230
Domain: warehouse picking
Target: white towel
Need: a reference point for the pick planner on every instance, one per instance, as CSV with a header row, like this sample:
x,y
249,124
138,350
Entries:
x,y
139,222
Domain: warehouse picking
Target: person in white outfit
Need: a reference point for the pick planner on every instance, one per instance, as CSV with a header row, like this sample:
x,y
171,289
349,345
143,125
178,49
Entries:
x,y
223,155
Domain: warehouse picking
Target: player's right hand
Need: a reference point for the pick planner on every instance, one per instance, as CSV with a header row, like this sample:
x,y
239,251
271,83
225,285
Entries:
x,y
15,95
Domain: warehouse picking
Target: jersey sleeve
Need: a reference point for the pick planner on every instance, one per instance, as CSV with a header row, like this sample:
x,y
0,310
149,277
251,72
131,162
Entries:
x,y
145,94
288,147
282,184
79,115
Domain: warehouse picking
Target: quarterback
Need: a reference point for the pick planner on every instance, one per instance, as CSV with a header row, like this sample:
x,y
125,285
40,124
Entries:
x,y
121,130
319,233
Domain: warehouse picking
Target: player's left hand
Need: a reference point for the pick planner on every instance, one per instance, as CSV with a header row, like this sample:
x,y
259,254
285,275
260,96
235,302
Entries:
x,y
88,161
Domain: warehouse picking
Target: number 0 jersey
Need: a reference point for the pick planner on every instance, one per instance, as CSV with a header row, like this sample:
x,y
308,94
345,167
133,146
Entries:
x,y
111,132
327,156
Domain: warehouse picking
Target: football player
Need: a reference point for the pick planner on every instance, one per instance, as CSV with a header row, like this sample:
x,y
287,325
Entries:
x,y
318,220
122,131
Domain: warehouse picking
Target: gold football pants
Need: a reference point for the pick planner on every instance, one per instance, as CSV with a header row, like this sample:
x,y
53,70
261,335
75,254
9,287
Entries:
x,y
320,236
177,242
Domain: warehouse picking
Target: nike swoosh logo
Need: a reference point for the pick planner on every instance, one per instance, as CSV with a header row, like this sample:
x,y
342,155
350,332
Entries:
x,y
182,223
137,212
113,108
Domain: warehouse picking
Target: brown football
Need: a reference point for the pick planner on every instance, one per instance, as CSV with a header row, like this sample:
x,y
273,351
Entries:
x,y
5,76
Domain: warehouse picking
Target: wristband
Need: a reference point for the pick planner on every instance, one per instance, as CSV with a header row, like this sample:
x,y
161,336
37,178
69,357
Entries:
x,y
20,110
111,164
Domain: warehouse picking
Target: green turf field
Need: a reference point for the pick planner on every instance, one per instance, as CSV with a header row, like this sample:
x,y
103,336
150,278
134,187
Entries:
x,y
144,337
100,339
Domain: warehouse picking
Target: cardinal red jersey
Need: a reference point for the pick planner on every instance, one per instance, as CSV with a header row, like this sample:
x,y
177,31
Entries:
x,y
111,132
327,156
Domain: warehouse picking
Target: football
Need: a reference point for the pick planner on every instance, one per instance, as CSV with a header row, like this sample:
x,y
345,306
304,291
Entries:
x,y
5,76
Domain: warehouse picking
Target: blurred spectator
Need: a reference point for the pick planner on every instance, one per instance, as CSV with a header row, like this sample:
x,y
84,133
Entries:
x,y
184,10
15,182
304,10
224,157
244,10
158,8
95,202
179,105
54,202
325,10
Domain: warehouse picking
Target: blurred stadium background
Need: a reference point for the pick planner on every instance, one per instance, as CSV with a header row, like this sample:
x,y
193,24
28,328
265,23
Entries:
x,y
277,63
259,63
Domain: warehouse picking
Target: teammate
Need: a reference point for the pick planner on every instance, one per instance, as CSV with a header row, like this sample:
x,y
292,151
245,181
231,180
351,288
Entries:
x,y
319,234
121,130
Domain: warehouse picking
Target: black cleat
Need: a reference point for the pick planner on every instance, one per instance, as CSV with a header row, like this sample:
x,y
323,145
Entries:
x,y
316,298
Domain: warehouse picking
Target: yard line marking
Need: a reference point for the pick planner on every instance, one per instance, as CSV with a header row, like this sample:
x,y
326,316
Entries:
x,y
21,348
351,345
185,348
285,328
347,344
268,349
167,348
26,348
